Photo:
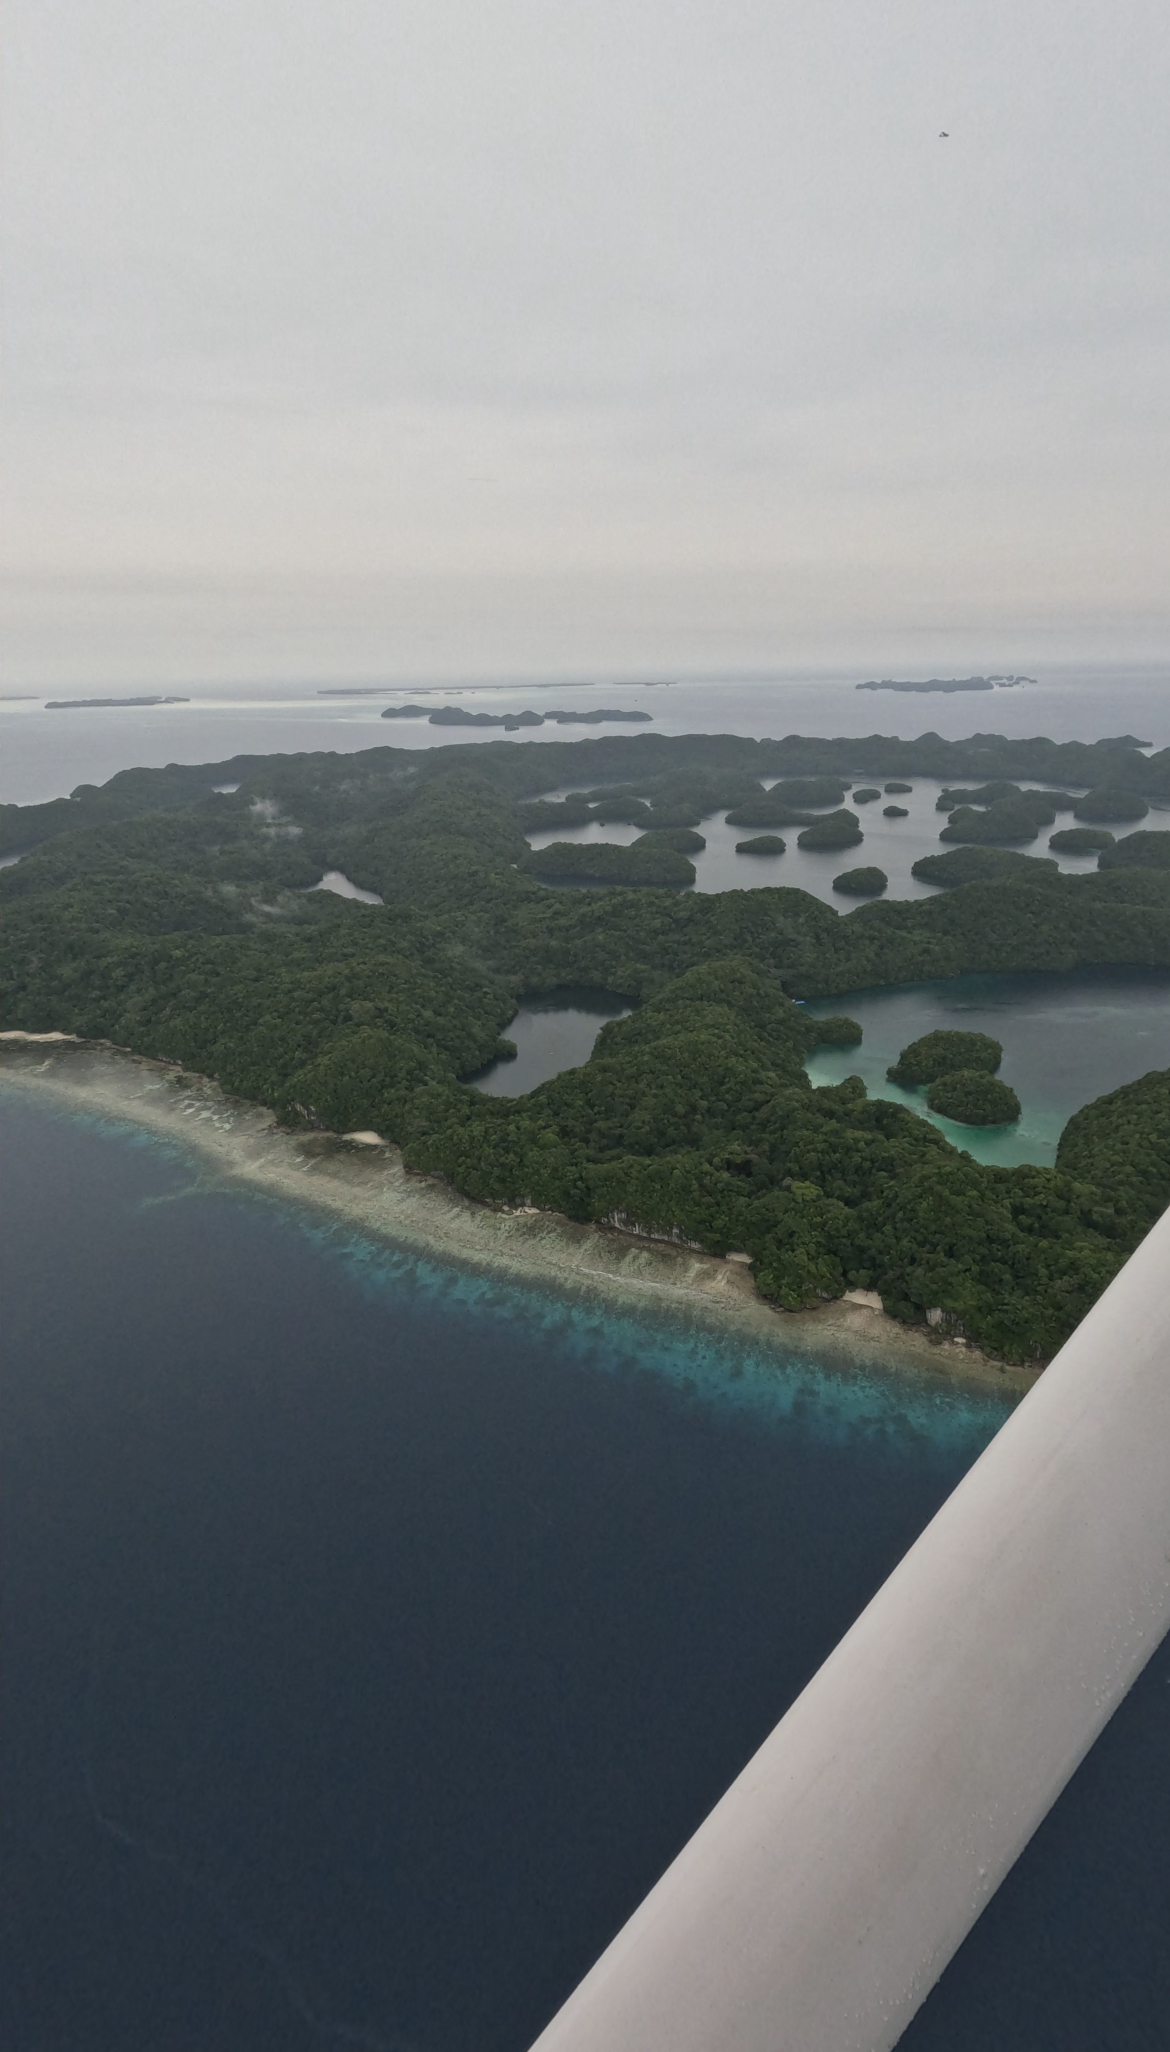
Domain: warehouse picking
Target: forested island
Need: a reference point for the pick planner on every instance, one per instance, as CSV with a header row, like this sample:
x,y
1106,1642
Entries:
x,y
959,1070
944,684
861,883
180,922
85,704
462,716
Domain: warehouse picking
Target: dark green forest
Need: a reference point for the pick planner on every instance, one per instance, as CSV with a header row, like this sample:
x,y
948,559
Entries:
x,y
974,1098
942,1053
177,921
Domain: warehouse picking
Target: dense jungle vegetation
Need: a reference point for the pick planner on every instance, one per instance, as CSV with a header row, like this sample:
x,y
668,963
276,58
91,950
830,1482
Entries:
x,y
178,921
973,1098
943,1052
861,883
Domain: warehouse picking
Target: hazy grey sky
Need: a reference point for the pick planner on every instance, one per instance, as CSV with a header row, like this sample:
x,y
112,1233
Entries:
x,y
359,337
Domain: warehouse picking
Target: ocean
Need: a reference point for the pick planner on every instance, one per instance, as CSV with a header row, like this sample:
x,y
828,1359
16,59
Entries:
x,y
47,753
375,1633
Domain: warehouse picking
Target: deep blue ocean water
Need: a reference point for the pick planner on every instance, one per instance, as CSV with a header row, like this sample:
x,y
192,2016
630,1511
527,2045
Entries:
x,y
374,1635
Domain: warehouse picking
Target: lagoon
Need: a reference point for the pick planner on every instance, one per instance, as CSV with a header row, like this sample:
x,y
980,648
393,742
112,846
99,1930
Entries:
x,y
551,1031
376,1630
893,845
1066,1039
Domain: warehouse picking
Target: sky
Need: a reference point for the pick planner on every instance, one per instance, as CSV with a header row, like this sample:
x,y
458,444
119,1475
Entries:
x,y
386,338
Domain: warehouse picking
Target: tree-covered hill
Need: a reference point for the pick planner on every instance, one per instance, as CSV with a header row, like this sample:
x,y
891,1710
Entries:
x,y
177,921
369,780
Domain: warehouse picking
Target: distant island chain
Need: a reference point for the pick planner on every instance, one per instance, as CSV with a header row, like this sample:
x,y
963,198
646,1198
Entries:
x,y
945,684
84,704
462,716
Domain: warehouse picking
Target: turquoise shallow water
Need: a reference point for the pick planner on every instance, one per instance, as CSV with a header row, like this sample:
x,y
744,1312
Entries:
x,y
375,1633
1066,1040
777,1386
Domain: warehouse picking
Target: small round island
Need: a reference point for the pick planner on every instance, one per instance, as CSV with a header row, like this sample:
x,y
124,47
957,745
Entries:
x,y
681,840
861,883
943,1053
763,844
841,829
1081,840
973,1098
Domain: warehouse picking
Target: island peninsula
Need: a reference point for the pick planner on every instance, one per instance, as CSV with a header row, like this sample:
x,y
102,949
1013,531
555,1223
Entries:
x,y
179,922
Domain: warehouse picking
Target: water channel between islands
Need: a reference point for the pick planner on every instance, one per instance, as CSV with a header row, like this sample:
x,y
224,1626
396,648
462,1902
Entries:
x,y
1066,1039
893,845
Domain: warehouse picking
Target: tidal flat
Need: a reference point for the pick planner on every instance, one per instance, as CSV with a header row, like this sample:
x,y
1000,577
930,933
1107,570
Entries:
x,y
359,1181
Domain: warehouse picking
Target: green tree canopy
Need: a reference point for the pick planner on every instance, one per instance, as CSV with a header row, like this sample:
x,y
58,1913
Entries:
x,y
973,1098
861,883
942,1053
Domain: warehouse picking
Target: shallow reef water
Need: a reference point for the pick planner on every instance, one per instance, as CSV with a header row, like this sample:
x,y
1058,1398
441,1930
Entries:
x,y
377,1628
1067,1039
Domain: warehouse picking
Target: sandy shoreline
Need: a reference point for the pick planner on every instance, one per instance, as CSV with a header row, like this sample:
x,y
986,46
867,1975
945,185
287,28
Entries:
x,y
362,1182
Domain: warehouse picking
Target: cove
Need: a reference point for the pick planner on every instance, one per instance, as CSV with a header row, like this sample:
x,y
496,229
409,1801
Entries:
x,y
553,1030
1067,1039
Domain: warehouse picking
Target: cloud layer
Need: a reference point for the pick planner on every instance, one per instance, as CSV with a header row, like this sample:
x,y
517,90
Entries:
x,y
351,337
